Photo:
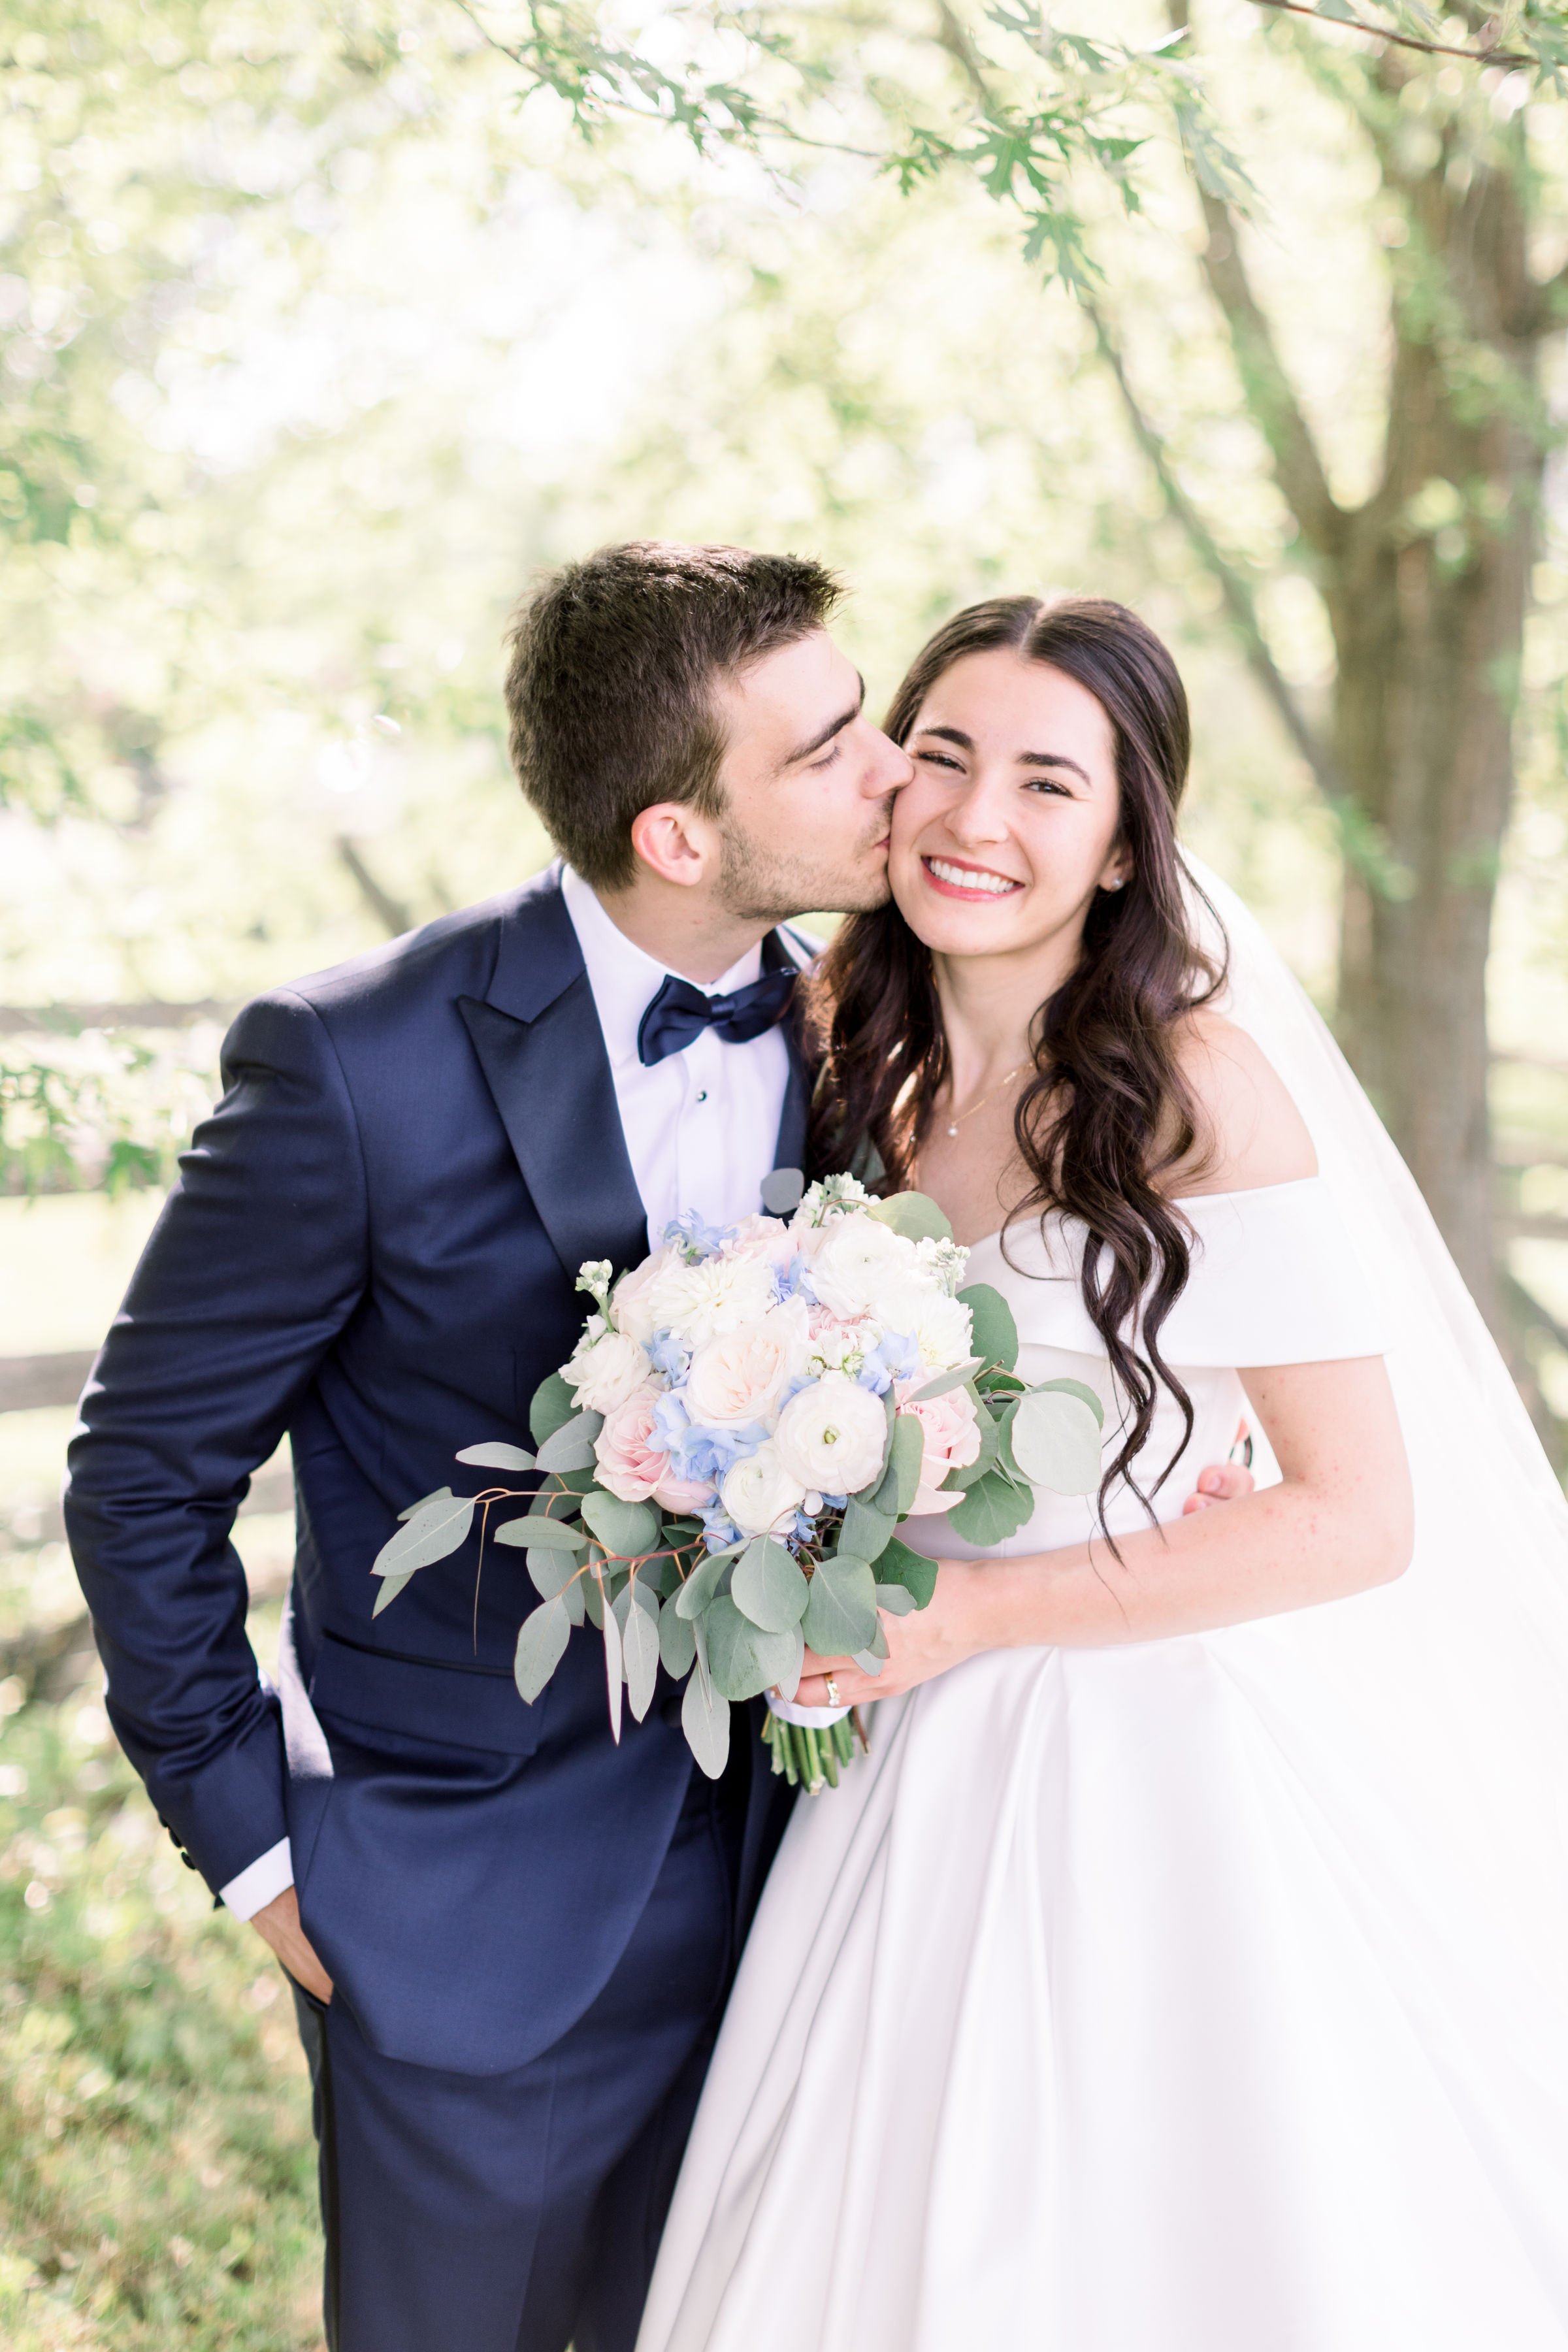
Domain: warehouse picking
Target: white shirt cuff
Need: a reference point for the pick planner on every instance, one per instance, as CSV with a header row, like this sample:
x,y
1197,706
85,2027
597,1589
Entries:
x,y
260,1882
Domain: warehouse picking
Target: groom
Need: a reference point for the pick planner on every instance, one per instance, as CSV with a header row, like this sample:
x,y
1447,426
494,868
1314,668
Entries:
x,y
511,1940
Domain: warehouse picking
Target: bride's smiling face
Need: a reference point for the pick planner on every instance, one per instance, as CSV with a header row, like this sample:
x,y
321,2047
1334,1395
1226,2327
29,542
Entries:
x,y
1012,822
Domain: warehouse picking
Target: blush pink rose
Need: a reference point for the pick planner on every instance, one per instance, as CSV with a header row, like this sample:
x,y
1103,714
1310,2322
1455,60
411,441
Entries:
x,y
632,1467
950,1433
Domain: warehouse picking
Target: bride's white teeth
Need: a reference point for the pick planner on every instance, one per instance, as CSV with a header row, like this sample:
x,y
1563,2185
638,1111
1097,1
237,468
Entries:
x,y
969,877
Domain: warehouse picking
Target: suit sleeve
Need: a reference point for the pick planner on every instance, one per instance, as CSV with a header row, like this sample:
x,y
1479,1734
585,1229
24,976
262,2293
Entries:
x,y
255,1266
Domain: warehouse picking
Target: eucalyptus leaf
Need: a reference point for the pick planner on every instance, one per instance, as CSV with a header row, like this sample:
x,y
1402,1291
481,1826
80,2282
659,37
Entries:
x,y
439,1529
903,1478
743,1661
994,1335
552,1407
865,1530
1056,1442
782,1190
614,1674
960,1481
534,1532
910,1570
551,1571
896,1599
702,1583
1080,1389
769,1586
441,1494
705,1719
677,1641
628,1529
593,1599
575,1600
869,1661
787,1680
391,1586
541,1641
639,1642
945,1381
841,1607
571,1447
991,1511
497,1456
913,1215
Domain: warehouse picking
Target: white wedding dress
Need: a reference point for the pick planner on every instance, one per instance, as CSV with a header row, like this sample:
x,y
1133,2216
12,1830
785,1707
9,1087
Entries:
x,y
1203,1995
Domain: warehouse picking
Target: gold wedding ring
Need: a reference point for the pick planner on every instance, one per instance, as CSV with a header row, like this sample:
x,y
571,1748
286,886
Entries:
x,y
832,1688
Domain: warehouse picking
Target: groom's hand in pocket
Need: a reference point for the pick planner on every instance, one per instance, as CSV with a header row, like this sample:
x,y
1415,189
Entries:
x,y
278,1925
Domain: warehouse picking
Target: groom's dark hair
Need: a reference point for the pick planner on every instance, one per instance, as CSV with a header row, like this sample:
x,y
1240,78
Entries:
x,y
609,687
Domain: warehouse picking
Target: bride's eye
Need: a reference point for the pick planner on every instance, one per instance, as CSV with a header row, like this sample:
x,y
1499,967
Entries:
x,y
939,760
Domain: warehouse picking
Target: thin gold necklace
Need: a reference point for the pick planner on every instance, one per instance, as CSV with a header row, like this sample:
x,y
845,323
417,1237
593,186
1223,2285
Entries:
x,y
1002,1084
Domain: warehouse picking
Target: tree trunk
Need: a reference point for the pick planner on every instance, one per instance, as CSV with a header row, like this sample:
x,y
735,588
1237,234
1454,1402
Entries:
x,y
1428,598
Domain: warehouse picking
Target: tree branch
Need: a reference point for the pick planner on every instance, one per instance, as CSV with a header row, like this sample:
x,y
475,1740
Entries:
x,y
1238,594
1483,56
1270,393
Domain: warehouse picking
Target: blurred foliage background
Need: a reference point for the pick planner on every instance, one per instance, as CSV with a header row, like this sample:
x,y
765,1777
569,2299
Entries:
x,y
322,326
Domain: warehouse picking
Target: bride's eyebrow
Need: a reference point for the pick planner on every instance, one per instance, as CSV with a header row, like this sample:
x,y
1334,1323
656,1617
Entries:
x,y
1053,759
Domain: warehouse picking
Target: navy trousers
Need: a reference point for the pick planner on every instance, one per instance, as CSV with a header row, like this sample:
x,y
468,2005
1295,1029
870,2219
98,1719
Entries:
x,y
521,2213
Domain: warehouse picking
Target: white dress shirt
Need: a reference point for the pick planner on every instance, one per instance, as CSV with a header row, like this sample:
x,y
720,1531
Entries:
x,y
701,1128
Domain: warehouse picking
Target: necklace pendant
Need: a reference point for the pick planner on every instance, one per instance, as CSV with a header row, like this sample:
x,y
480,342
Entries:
x,y
953,1128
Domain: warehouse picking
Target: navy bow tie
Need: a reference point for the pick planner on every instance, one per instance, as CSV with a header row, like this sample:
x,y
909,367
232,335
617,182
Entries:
x,y
680,1012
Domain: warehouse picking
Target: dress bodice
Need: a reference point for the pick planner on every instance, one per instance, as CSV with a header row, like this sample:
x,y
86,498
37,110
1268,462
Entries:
x,y
1275,1280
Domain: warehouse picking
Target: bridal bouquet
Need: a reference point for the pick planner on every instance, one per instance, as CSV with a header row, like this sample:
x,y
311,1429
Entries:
x,y
725,1461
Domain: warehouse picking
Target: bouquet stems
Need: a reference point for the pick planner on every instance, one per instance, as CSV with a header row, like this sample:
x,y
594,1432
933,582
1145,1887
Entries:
x,y
813,1756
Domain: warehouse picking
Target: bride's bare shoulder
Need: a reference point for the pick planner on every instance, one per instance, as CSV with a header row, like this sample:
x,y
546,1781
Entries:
x,y
1251,1131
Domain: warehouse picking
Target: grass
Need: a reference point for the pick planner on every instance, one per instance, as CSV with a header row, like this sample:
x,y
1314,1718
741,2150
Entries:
x,y
157,2173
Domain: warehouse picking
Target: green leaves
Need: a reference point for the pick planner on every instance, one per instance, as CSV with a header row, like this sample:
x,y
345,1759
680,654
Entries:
x,y
552,1407
991,1510
702,1583
705,1719
438,1526
943,1381
743,1661
902,1475
910,1570
866,1529
994,1333
496,1456
677,1639
537,1533
571,1446
1054,1432
913,1215
540,1645
641,1649
768,1588
628,1529
841,1607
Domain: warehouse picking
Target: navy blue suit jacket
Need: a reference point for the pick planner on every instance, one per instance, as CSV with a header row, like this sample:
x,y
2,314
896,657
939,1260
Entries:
x,y
373,1246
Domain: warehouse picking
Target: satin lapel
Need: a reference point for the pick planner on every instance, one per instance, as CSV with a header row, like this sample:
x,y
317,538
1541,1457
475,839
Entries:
x,y
541,1048
789,1150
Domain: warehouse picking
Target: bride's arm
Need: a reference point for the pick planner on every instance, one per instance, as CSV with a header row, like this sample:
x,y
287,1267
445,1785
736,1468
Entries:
x,y
1338,1522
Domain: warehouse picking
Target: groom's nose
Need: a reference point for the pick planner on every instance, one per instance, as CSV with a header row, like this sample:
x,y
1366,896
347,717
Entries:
x,y
888,769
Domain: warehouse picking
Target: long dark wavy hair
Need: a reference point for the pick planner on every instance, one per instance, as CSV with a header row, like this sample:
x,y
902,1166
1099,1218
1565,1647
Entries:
x,y
1106,1113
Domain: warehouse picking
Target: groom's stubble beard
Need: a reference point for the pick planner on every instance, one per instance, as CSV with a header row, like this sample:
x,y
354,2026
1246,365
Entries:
x,y
758,885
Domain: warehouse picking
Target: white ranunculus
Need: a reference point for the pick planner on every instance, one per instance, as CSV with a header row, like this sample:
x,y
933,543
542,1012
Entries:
x,y
721,1294
760,1494
860,1261
832,1436
630,1301
739,1376
940,1327
604,1372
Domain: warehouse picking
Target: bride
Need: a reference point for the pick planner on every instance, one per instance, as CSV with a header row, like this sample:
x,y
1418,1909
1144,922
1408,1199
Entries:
x,y
1185,1969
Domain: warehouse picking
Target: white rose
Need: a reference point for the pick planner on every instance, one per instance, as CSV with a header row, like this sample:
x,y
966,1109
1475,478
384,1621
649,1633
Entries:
x,y
765,1238
606,1372
630,1299
832,1437
859,1261
739,1376
721,1293
760,1494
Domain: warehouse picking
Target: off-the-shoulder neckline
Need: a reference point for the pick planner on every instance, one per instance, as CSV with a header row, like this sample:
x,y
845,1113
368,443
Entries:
x,y
1185,1202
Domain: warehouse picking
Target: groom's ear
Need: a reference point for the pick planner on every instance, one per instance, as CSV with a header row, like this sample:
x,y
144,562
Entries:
x,y
676,842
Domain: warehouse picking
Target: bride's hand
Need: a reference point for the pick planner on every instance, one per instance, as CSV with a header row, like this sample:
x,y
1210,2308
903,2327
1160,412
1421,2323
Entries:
x,y
925,1643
